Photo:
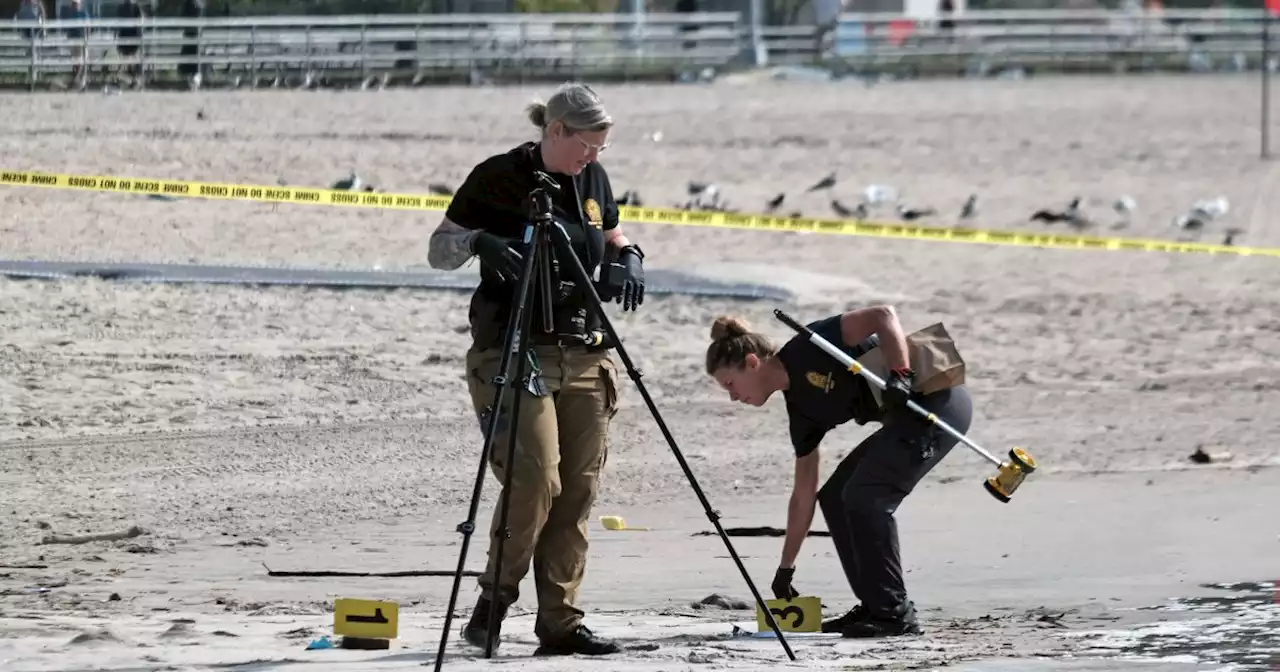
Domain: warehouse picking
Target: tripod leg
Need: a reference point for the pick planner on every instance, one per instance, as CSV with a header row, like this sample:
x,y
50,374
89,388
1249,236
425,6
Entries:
x,y
584,280
512,347
513,432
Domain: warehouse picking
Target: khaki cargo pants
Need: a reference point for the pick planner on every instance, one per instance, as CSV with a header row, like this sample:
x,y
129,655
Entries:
x,y
561,447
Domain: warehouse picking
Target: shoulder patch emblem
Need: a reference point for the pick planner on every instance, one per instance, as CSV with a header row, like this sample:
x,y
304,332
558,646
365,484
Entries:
x,y
593,213
821,381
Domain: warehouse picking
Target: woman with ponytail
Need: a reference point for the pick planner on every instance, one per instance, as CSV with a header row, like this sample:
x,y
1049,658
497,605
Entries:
x,y
859,499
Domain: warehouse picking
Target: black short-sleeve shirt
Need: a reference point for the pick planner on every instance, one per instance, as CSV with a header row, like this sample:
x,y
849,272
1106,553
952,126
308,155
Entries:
x,y
495,197
823,394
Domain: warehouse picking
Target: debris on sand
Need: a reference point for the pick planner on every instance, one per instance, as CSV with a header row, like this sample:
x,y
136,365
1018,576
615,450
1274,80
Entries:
x,y
718,601
760,531
1202,457
133,531
180,630
96,636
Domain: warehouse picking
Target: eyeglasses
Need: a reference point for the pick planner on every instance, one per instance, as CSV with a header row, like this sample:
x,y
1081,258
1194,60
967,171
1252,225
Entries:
x,y
599,149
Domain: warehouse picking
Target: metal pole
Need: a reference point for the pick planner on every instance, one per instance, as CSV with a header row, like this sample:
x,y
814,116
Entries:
x,y
1265,150
757,37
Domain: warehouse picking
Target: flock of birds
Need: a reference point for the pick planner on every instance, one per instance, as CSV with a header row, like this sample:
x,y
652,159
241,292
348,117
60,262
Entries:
x,y
1198,218
708,197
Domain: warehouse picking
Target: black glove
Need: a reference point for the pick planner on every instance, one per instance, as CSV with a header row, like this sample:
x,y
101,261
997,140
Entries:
x,y
897,391
498,254
632,295
782,588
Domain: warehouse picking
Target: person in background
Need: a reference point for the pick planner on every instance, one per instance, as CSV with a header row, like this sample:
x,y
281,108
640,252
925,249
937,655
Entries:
x,y
130,36
79,71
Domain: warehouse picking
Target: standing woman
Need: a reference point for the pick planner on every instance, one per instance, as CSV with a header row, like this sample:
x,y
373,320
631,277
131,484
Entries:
x,y
860,498
571,396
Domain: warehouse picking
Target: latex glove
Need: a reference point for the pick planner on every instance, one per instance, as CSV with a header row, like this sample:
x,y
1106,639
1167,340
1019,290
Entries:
x,y
896,392
498,254
782,588
632,295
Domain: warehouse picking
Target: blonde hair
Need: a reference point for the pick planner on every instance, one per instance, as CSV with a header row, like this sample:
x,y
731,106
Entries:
x,y
574,105
732,340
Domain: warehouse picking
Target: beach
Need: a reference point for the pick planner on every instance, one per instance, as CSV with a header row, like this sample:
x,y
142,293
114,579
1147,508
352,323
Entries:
x,y
244,428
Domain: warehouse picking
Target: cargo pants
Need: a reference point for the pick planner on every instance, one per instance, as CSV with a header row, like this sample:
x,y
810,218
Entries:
x,y
561,448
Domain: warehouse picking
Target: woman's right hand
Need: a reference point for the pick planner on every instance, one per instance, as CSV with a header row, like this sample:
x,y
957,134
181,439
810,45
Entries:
x,y
497,252
782,588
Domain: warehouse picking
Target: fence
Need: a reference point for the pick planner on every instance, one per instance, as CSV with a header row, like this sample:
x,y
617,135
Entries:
x,y
305,51
300,51
1066,39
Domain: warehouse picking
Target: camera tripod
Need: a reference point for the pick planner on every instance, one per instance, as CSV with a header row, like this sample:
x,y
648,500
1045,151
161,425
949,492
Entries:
x,y
542,237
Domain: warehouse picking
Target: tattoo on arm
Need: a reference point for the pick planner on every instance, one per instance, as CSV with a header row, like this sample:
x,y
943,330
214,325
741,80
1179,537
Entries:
x,y
450,246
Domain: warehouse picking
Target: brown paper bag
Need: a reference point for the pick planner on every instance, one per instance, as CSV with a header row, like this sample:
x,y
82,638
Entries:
x,y
933,357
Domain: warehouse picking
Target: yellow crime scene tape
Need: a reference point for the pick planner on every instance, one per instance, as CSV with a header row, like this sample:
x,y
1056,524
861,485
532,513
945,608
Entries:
x,y
390,201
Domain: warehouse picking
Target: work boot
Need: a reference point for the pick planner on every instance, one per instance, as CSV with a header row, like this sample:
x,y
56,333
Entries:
x,y
579,640
476,630
896,622
838,623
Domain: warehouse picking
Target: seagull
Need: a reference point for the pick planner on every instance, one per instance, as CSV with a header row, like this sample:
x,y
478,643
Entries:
x,y
1124,205
844,211
911,214
629,197
970,207
1211,209
776,201
825,183
352,183
1189,222
439,189
879,193
1049,216
1202,213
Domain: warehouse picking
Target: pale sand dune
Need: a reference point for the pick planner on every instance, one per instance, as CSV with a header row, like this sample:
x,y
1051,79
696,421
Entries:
x,y
334,425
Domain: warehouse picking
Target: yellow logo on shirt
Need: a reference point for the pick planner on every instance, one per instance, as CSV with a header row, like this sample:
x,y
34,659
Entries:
x,y
821,381
593,213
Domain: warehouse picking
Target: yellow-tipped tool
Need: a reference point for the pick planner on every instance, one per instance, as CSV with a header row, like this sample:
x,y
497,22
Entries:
x,y
1009,475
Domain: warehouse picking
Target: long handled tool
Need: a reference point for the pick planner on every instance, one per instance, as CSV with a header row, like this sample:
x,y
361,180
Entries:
x,y
1009,475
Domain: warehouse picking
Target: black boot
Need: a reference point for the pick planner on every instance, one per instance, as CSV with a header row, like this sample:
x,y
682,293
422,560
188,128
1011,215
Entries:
x,y
838,623
476,629
891,623
579,640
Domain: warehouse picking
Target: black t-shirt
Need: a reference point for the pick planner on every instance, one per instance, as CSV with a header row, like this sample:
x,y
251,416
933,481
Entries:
x,y
823,394
495,198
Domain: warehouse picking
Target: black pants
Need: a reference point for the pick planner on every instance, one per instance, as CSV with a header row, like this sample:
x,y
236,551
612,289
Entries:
x,y
860,498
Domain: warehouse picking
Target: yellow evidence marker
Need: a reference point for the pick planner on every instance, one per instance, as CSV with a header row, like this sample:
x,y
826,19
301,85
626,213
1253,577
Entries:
x,y
619,524
366,624
799,614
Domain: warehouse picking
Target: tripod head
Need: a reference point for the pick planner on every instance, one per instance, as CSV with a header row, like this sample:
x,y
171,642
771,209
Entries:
x,y
540,197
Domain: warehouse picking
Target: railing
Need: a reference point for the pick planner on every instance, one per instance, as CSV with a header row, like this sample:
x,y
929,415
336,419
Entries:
x,y
1094,38
299,51
308,51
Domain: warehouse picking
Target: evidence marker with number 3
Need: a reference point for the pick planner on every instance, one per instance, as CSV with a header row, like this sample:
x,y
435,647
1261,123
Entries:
x,y
798,614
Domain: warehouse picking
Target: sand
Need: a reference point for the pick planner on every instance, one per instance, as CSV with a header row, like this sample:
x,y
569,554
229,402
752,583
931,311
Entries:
x,y
313,429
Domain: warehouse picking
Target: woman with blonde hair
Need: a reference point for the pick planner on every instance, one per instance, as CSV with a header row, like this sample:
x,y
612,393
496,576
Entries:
x,y
859,499
571,394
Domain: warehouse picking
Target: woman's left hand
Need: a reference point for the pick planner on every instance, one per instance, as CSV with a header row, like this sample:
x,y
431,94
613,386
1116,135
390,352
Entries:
x,y
632,260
